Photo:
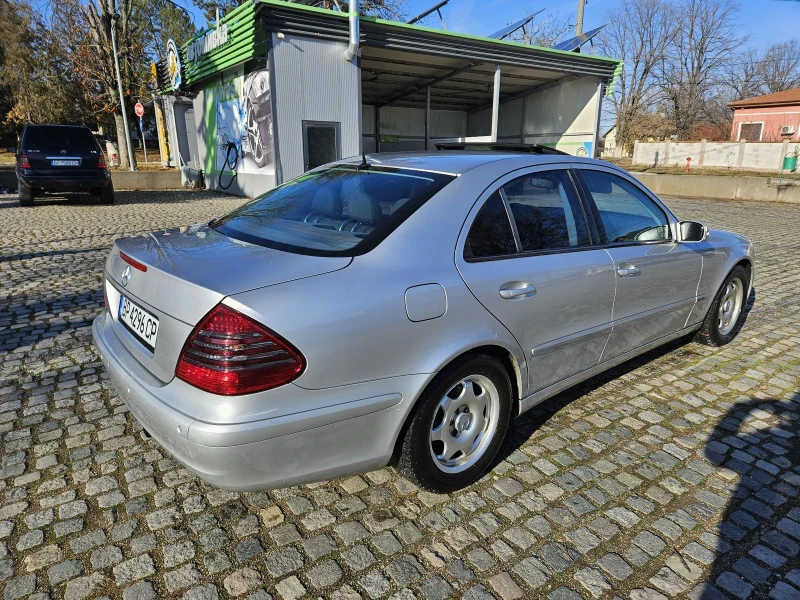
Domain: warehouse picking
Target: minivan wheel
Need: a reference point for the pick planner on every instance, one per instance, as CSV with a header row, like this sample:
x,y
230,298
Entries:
x,y
726,314
458,425
25,196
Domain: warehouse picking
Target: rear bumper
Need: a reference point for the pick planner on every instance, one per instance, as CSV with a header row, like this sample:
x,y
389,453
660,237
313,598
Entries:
x,y
59,183
308,446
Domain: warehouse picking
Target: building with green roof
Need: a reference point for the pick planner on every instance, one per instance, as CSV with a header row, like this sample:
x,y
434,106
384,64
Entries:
x,y
277,88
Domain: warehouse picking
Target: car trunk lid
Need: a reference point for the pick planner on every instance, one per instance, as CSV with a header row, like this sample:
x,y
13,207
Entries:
x,y
187,272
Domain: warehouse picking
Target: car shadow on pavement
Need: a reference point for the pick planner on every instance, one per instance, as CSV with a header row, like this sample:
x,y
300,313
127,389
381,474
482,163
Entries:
x,y
49,253
122,197
756,444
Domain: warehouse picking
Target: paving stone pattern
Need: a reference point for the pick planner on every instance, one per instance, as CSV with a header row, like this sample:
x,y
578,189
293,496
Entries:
x,y
675,475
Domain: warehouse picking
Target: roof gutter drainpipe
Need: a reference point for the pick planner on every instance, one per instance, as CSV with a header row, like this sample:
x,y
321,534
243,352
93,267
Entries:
x,y
355,30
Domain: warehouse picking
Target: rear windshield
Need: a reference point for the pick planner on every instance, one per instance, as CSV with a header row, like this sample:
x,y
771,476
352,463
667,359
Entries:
x,y
72,139
340,211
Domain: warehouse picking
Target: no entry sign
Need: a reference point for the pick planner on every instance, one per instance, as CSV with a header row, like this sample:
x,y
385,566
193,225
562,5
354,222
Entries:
x,y
139,109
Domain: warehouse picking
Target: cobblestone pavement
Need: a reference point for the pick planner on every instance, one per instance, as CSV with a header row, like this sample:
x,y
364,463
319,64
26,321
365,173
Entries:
x,y
675,475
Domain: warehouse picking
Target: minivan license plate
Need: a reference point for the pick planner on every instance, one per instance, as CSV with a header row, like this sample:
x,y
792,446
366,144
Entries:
x,y
64,163
139,322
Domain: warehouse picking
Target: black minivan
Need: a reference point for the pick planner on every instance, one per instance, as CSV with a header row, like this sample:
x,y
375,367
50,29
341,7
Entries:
x,y
61,159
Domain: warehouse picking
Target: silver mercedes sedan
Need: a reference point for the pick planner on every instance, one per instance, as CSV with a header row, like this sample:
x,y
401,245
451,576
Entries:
x,y
402,308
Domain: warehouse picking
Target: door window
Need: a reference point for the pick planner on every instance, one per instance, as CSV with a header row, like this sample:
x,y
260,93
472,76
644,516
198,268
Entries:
x,y
546,211
491,233
320,143
626,213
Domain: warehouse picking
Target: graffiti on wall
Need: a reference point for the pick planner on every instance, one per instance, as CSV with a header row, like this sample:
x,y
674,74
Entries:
x,y
239,135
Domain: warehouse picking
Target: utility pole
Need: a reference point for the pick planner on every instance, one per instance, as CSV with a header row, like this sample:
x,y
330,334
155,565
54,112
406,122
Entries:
x,y
579,20
114,18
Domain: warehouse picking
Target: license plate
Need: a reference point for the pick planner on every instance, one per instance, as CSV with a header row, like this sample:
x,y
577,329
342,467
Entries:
x,y
65,163
139,322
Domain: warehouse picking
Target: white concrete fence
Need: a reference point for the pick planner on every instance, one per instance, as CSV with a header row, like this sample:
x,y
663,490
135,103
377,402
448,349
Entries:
x,y
762,156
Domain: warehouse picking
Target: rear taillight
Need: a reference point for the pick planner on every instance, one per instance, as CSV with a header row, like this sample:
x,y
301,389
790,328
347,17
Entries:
x,y
101,162
23,162
230,354
134,263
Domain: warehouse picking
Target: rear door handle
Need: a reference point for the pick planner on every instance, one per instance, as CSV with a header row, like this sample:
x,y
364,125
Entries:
x,y
628,271
517,289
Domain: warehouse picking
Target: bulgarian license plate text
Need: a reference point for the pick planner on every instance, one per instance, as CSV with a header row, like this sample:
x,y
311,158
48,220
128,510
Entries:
x,y
140,322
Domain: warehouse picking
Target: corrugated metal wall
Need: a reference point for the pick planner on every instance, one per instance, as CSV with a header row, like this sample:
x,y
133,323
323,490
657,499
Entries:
x,y
565,115
403,128
313,82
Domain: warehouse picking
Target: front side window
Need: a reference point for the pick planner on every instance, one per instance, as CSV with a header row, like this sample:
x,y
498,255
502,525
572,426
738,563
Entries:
x,y
491,233
340,211
626,213
546,211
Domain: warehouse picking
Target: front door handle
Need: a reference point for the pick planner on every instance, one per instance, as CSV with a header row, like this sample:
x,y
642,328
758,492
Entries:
x,y
628,271
517,289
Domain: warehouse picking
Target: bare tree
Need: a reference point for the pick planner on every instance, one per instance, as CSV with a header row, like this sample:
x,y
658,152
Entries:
x,y
781,67
85,28
640,33
693,67
744,76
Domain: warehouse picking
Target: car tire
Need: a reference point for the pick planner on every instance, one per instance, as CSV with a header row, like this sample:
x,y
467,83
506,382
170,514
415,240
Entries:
x,y
107,194
726,314
445,412
25,196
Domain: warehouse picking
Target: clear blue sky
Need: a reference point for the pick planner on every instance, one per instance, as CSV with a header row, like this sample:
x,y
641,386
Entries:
x,y
764,21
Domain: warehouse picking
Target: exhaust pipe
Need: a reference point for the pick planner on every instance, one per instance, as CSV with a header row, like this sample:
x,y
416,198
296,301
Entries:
x,y
355,30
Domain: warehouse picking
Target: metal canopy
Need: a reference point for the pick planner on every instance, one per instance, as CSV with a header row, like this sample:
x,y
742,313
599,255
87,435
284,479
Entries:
x,y
390,77
399,62
324,24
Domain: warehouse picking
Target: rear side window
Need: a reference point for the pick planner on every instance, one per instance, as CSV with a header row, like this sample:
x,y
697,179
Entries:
x,y
341,211
71,139
490,234
546,211
626,213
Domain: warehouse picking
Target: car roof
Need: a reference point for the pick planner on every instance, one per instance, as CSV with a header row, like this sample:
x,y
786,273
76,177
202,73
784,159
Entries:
x,y
457,162
37,126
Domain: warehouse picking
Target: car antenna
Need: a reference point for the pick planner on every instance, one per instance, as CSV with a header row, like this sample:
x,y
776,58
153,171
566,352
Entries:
x,y
364,164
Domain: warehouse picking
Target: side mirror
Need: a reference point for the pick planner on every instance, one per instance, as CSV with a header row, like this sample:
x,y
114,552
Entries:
x,y
11,149
692,231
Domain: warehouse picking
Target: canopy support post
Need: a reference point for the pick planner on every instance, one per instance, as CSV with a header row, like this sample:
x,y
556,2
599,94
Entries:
x,y
496,101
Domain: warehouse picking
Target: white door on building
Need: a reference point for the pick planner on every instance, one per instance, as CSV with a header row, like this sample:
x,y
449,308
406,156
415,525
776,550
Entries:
x,y
191,135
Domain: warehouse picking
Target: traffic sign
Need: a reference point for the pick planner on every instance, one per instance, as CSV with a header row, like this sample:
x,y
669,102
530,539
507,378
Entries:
x,y
139,109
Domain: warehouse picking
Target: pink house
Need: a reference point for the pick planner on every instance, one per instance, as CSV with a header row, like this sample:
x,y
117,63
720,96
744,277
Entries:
x,y
771,118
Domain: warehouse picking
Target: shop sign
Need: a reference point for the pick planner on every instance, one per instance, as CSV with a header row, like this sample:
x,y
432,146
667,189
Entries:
x,y
210,41
174,64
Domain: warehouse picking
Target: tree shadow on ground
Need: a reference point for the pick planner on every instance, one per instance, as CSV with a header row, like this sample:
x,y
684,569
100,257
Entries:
x,y
757,443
